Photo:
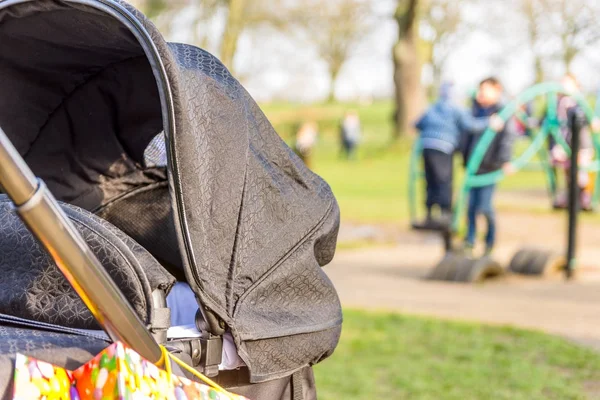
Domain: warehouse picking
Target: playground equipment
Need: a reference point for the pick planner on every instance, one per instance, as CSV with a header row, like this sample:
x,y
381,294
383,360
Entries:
x,y
550,127
544,262
536,261
526,261
538,137
455,267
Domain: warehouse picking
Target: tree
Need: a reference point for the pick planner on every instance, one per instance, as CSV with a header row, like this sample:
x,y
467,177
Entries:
x,y
533,12
407,67
335,28
153,8
575,23
247,14
559,30
161,12
440,27
233,29
240,15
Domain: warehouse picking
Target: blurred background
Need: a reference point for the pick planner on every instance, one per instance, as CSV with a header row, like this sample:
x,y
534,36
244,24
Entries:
x,y
370,68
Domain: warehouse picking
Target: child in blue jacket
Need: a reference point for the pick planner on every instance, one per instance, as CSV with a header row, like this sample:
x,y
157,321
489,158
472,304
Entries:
x,y
441,128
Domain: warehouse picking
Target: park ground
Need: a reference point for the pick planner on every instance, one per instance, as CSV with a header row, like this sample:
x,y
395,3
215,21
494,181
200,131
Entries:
x,y
408,338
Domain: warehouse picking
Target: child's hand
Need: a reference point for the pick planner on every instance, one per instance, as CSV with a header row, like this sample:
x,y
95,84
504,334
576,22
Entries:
x,y
508,168
496,123
586,156
559,154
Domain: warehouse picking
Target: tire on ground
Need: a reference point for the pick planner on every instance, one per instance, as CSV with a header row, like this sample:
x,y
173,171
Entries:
x,y
486,268
478,270
529,261
463,269
459,268
522,261
547,263
446,269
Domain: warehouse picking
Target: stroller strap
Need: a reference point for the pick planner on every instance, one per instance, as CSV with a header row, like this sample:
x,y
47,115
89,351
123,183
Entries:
x,y
27,323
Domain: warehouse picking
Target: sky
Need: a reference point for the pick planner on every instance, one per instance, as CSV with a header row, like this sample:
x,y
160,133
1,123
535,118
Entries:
x,y
274,67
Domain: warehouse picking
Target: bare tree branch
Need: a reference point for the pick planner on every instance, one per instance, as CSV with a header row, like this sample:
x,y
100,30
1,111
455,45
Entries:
x,y
334,28
441,25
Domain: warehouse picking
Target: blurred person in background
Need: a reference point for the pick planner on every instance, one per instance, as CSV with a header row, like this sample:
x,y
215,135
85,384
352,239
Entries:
x,y
350,134
306,139
440,129
488,103
567,105
526,123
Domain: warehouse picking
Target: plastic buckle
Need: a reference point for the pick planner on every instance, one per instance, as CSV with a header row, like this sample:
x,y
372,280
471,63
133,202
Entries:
x,y
212,354
211,347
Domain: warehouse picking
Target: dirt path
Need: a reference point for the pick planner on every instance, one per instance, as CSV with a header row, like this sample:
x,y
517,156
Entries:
x,y
391,278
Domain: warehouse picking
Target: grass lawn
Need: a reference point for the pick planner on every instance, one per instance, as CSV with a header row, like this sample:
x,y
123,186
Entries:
x,y
391,356
374,188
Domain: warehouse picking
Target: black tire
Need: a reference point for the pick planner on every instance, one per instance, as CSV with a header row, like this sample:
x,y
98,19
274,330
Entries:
x,y
521,261
478,270
464,267
446,269
547,263
485,268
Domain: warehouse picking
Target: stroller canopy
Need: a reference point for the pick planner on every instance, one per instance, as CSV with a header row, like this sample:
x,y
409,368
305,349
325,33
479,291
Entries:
x,y
86,85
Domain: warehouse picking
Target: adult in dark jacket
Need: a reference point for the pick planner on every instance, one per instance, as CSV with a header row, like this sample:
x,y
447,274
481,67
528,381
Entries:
x,y
440,128
498,155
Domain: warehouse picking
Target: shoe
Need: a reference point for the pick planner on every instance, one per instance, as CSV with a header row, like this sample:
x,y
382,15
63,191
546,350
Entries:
x,y
586,201
429,214
467,250
561,202
446,218
488,251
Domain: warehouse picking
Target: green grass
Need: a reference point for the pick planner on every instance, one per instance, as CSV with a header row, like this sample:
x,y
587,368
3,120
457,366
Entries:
x,y
374,188
390,356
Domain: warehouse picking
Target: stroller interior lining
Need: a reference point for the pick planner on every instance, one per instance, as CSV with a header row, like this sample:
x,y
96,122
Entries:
x,y
79,94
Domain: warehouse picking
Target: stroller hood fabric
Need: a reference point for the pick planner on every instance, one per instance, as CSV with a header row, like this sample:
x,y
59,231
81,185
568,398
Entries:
x,y
254,225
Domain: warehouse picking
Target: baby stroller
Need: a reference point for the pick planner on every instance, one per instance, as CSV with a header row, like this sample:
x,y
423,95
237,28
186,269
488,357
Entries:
x,y
93,101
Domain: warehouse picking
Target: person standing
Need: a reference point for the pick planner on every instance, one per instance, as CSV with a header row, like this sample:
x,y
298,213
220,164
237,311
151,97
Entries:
x,y
567,105
306,139
350,132
488,103
440,129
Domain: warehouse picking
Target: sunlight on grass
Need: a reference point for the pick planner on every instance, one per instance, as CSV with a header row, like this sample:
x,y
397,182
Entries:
x,y
399,357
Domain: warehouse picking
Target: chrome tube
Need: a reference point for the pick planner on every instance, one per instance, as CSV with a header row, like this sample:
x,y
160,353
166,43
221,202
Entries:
x,y
42,214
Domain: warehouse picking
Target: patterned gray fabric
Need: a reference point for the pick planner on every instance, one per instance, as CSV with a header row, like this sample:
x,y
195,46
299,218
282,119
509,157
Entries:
x,y
279,218
34,288
254,224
